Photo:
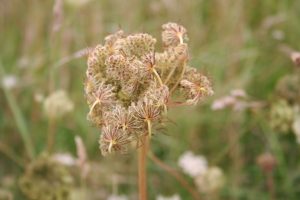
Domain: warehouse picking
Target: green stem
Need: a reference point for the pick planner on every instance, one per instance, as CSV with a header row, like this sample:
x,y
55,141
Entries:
x,y
20,121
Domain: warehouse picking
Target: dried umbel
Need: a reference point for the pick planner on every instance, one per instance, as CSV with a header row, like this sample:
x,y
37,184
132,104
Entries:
x,y
130,87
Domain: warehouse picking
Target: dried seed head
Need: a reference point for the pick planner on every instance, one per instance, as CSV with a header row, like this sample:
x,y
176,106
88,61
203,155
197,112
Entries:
x,y
197,90
100,100
136,45
96,62
122,118
129,86
173,34
145,111
113,139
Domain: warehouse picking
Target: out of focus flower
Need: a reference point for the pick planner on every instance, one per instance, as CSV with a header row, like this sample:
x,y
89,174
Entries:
x,y
266,161
191,164
9,81
5,194
281,116
174,197
238,93
296,128
58,104
82,157
117,197
278,34
237,100
45,178
64,159
212,180
295,56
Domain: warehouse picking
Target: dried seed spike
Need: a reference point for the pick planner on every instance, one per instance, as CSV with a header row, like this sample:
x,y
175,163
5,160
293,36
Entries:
x,y
173,34
113,139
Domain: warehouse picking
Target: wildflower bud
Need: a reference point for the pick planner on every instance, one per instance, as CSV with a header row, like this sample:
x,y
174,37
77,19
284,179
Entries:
x,y
266,162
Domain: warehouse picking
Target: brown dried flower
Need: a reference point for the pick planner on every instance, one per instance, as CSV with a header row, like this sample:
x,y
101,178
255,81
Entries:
x,y
129,86
173,34
113,139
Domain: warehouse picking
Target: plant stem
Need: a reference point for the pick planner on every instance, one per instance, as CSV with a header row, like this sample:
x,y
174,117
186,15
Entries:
x,y
51,135
142,169
20,120
176,175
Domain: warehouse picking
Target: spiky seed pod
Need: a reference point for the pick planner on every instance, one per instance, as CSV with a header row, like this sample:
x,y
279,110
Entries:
x,y
144,111
122,118
100,100
136,45
159,95
113,139
96,62
173,34
197,90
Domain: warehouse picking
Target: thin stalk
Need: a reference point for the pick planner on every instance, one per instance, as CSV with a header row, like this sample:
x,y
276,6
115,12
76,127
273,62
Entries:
x,y
180,77
176,175
20,120
51,134
158,77
142,163
142,169
170,75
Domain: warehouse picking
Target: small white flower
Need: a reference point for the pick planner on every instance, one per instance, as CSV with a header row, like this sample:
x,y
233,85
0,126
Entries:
x,y
64,159
174,197
193,165
296,128
210,181
117,197
9,81
58,104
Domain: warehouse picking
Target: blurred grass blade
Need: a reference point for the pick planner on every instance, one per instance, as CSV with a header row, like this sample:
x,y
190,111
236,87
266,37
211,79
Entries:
x,y
20,121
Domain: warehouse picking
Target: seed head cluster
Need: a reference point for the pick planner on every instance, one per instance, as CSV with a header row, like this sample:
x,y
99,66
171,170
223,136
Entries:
x,y
130,87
